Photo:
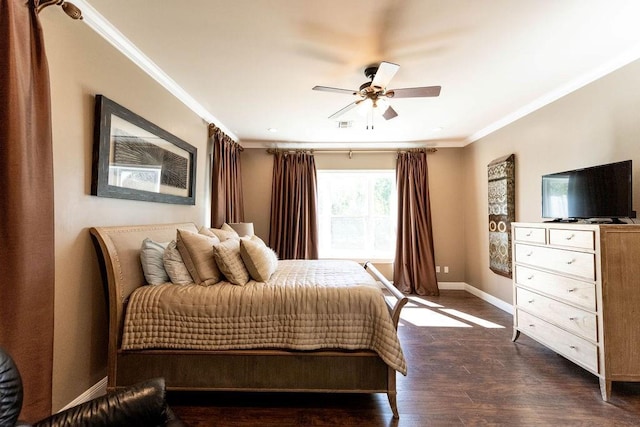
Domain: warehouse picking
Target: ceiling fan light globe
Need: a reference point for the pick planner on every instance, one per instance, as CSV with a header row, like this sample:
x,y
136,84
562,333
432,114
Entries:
x,y
382,104
364,106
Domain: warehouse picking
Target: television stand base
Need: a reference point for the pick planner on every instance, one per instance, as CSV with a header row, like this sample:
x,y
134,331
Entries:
x,y
605,221
567,220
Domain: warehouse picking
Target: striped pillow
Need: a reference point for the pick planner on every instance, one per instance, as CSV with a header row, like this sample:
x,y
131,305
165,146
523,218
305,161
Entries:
x,y
198,256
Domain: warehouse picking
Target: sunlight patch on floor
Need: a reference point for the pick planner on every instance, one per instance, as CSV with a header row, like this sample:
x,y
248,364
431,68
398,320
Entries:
x,y
473,319
420,312
414,302
425,302
421,316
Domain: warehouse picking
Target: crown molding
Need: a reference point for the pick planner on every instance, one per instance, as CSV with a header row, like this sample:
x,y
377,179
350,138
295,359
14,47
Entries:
x,y
110,33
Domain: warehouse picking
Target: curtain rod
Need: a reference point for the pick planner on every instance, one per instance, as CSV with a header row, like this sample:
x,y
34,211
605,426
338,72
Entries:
x,y
350,152
212,130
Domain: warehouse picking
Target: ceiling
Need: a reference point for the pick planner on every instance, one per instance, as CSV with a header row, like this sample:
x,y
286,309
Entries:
x,y
252,63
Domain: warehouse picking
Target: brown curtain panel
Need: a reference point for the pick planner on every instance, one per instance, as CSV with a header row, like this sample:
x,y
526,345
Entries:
x,y
26,205
293,233
226,181
414,267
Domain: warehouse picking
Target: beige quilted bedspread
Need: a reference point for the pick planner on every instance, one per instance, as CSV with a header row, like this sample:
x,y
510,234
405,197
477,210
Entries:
x,y
305,305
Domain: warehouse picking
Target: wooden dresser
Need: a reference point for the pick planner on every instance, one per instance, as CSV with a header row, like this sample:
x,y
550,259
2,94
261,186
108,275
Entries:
x,y
577,291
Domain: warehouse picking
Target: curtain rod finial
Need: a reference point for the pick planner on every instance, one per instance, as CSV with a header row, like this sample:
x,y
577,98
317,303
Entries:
x,y
212,129
69,8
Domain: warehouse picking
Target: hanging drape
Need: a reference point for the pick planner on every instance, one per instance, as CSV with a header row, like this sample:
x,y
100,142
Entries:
x,y
414,267
26,204
293,233
226,180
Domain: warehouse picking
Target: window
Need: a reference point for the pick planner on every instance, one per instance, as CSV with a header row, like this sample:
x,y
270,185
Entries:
x,y
357,214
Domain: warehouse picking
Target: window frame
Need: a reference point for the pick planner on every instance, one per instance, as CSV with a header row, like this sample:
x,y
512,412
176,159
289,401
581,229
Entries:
x,y
322,218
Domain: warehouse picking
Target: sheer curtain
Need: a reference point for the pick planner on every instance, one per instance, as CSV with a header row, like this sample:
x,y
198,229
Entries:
x,y
26,204
294,226
227,204
414,266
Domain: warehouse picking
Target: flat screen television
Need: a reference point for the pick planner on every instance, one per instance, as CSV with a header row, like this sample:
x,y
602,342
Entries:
x,y
603,191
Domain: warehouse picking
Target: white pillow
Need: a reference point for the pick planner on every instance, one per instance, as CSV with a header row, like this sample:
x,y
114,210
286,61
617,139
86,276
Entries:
x,y
174,265
151,254
259,259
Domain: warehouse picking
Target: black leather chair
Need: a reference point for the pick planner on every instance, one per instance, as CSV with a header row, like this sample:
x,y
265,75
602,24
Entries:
x,y
142,404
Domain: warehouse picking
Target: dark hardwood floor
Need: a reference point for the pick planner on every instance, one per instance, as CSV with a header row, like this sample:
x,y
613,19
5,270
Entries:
x,y
461,374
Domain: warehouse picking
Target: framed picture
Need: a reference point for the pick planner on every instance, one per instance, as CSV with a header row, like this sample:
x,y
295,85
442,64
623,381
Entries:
x,y
135,159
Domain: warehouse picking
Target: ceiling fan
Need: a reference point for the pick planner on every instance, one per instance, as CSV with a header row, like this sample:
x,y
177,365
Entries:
x,y
375,92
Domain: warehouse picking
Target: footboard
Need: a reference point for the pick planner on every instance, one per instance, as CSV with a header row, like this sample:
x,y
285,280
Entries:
x,y
401,299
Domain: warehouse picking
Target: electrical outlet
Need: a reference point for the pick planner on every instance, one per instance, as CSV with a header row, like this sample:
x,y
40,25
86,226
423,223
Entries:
x,y
437,269
446,269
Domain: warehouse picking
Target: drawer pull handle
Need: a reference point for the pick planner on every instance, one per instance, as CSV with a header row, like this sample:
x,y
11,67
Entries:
x,y
571,290
529,234
529,253
571,261
573,318
531,325
530,277
530,301
570,237
572,347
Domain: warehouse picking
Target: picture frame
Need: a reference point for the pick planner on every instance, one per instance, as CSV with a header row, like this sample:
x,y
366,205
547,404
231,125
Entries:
x,y
137,160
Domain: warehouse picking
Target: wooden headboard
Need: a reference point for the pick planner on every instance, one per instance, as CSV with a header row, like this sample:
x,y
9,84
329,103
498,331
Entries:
x,y
118,250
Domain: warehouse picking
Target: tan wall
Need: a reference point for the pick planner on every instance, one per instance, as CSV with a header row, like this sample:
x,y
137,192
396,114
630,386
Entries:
x,y
445,183
81,65
594,125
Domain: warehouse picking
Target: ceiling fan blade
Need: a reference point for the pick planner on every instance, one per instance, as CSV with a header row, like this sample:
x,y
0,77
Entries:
x,y
390,114
385,73
335,89
414,92
345,109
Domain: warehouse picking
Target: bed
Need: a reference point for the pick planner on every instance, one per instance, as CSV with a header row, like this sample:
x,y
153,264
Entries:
x,y
207,359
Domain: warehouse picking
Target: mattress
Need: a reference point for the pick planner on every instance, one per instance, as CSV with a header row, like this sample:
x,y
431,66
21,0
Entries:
x,y
305,305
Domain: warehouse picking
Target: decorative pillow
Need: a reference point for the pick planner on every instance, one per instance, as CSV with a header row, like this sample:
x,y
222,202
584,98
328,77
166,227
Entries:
x,y
227,256
244,229
174,265
151,259
259,259
197,254
223,233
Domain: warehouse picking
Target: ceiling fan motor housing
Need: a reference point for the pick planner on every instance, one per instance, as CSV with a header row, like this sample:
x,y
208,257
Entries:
x,y
371,71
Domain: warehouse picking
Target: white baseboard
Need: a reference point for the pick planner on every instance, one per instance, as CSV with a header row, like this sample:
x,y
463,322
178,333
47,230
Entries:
x,y
497,302
452,286
97,390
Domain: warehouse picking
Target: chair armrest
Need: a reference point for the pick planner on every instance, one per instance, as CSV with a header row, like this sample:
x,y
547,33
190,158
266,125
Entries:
x,y
141,404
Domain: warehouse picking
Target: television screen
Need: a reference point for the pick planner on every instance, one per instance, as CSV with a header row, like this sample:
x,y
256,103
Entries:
x,y
603,191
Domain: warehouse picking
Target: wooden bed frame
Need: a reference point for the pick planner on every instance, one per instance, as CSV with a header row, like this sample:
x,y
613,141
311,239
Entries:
x,y
118,250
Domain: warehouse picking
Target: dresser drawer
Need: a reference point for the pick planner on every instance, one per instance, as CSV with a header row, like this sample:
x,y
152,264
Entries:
x,y
573,291
565,316
572,347
583,239
530,234
562,260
